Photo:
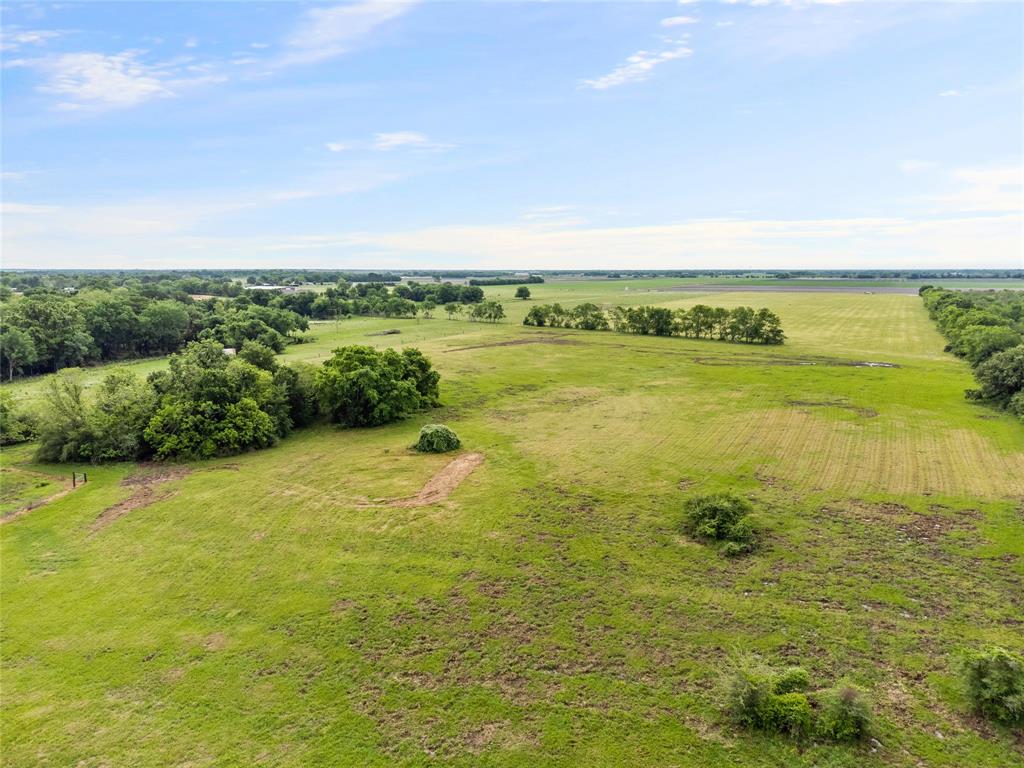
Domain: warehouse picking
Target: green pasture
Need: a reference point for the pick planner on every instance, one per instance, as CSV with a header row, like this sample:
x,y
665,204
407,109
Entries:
x,y
272,609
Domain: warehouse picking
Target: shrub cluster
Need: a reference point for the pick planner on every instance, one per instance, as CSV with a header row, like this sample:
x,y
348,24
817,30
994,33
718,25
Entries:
x,y
986,328
993,680
437,438
210,404
757,697
742,324
720,518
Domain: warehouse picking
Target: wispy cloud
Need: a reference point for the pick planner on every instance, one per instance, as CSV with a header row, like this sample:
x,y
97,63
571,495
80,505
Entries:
x,y
13,38
986,190
637,67
327,32
678,21
389,141
100,81
950,93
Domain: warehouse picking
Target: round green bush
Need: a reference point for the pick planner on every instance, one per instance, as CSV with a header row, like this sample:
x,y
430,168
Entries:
x,y
437,438
714,516
793,679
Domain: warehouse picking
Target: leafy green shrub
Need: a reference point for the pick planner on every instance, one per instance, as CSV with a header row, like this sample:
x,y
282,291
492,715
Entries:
x,y
16,426
720,517
787,713
757,697
437,438
845,715
993,680
793,679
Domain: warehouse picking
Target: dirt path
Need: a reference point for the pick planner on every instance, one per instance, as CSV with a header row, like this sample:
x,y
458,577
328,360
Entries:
x,y
146,490
439,487
38,502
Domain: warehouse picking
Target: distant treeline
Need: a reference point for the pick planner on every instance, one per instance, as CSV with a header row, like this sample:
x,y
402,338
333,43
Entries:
x,y
507,280
986,328
209,404
44,331
742,324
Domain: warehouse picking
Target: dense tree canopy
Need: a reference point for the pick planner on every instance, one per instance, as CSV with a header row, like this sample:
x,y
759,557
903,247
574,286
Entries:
x,y
986,328
361,386
742,324
209,404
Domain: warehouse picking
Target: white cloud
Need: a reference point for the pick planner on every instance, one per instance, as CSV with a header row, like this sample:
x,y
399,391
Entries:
x,y
13,38
637,67
389,141
950,93
258,45
678,21
724,23
192,42
101,80
386,142
986,190
326,32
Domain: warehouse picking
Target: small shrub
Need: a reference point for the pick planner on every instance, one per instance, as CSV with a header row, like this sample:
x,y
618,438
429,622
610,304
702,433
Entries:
x,y
789,714
747,687
993,680
845,715
793,679
437,438
720,517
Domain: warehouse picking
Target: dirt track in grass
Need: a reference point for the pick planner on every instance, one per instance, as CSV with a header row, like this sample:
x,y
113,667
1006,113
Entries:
x,y
146,490
440,486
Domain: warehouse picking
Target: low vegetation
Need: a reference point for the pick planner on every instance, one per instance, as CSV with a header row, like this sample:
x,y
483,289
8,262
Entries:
x,y
437,438
720,519
993,680
740,324
757,697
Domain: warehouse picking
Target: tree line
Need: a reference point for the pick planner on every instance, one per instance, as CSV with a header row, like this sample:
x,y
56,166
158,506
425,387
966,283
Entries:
x,y
985,328
741,324
45,331
207,403
531,279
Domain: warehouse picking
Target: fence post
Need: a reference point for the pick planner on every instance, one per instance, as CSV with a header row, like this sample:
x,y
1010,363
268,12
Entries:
x,y
73,483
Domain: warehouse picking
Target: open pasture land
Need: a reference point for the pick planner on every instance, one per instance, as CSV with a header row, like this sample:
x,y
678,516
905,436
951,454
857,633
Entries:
x,y
292,607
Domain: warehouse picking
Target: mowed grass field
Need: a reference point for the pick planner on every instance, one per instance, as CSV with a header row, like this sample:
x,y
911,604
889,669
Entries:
x,y
273,609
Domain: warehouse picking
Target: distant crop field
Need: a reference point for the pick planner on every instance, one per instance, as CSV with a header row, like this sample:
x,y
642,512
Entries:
x,y
299,607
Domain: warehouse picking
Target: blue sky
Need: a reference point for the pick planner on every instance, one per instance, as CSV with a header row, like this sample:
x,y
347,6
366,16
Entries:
x,y
741,134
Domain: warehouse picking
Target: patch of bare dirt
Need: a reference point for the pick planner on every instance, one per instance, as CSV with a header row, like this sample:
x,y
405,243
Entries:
x,y
440,486
146,489
519,342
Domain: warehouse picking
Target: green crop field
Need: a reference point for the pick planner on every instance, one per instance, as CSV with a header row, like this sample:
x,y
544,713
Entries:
x,y
276,608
